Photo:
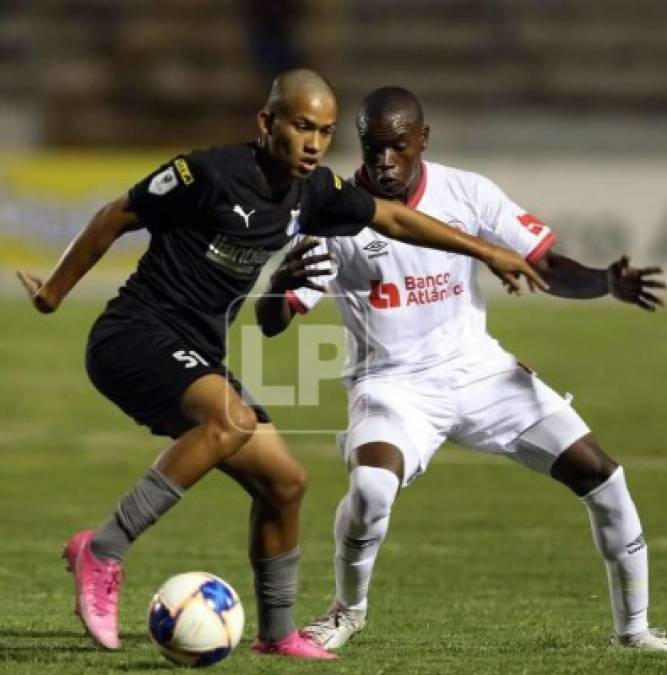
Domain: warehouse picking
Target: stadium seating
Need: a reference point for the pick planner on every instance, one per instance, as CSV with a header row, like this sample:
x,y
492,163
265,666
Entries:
x,y
117,72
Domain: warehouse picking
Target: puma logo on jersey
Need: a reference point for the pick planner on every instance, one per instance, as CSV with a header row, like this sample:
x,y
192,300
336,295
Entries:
x,y
246,216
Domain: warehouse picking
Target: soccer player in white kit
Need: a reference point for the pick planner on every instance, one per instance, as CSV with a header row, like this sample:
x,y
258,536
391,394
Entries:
x,y
422,369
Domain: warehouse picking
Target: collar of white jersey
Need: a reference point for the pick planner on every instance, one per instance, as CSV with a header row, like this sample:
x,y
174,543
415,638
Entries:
x,y
361,178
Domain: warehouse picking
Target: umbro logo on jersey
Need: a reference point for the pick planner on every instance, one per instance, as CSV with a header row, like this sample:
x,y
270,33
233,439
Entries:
x,y
246,216
375,248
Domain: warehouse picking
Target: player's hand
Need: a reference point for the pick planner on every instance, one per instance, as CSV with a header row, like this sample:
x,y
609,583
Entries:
x,y
295,270
631,284
509,266
37,292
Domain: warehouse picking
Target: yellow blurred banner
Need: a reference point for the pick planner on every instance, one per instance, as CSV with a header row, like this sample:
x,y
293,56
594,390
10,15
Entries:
x,y
598,208
67,176
46,198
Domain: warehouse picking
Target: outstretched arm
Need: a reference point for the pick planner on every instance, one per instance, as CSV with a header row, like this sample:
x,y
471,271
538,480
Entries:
x,y
569,279
397,221
109,223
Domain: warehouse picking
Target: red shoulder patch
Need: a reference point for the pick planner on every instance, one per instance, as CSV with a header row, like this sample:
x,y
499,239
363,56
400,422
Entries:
x,y
532,223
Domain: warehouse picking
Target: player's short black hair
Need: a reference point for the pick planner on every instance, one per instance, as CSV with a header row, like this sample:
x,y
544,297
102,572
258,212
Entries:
x,y
291,81
387,102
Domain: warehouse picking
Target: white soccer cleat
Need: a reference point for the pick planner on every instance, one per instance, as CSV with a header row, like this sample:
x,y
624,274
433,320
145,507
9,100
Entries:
x,y
651,640
336,627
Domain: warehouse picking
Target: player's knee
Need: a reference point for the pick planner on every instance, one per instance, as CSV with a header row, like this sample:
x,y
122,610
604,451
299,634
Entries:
x,y
369,507
597,478
236,418
372,494
583,466
240,420
233,428
290,488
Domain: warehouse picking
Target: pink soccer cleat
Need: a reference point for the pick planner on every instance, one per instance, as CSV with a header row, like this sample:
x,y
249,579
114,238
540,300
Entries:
x,y
97,586
294,645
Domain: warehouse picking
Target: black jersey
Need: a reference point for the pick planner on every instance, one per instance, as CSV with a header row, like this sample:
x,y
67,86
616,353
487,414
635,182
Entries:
x,y
214,222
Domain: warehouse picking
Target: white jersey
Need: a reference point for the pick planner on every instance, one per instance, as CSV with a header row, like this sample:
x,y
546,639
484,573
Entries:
x,y
408,308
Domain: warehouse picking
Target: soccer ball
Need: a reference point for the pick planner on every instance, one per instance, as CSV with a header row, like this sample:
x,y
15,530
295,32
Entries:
x,y
196,619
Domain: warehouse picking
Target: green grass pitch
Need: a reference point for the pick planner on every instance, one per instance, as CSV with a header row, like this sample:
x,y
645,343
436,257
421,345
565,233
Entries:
x,y
488,568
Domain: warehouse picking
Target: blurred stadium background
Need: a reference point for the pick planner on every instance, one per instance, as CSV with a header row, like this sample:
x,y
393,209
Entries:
x,y
563,103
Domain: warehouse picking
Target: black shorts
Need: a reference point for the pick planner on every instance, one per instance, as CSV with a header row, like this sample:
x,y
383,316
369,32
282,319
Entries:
x,y
144,368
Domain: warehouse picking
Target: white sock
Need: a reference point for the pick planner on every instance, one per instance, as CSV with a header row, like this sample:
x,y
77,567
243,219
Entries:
x,y
362,521
618,536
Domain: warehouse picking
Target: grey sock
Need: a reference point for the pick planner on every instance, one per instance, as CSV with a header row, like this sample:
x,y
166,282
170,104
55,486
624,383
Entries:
x,y
275,589
152,496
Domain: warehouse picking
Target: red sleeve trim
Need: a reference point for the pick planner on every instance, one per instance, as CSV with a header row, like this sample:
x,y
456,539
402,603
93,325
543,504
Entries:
x,y
295,303
538,252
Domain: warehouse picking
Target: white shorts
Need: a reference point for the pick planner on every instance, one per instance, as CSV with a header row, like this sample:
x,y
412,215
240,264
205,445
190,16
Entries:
x,y
418,412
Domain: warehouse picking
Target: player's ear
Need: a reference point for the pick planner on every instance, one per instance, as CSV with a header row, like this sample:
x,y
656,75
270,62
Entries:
x,y
265,121
425,134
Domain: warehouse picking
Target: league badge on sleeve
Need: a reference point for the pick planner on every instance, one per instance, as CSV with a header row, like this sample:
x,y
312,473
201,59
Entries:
x,y
532,223
184,171
163,182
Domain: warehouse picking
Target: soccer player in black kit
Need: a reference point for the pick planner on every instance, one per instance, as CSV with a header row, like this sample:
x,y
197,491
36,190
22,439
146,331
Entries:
x,y
215,217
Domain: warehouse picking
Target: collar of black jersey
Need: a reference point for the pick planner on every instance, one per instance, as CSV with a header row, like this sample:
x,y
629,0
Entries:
x,y
265,188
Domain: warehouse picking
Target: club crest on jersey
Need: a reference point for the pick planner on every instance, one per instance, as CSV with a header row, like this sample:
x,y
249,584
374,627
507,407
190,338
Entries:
x,y
293,225
163,182
246,216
